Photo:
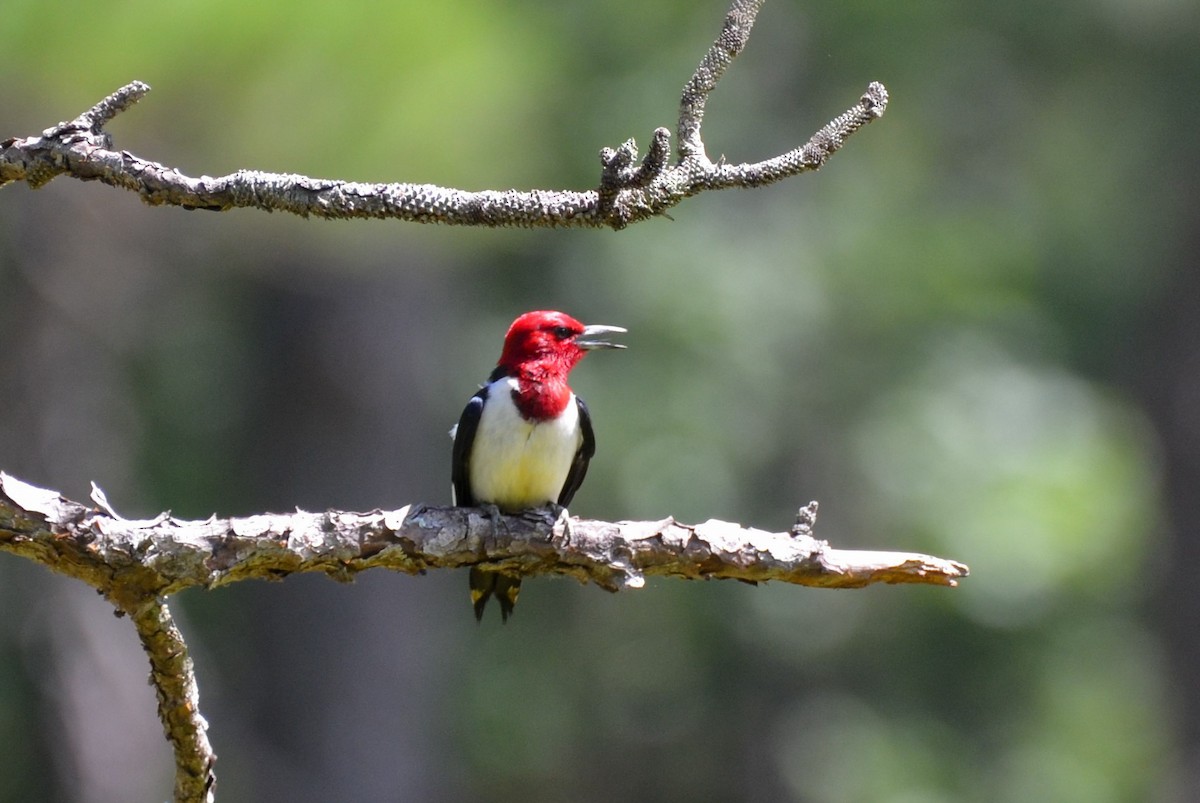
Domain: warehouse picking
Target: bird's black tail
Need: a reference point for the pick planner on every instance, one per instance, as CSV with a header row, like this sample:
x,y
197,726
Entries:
x,y
484,584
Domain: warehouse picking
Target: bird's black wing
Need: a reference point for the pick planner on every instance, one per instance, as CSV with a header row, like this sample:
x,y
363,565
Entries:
x,y
464,439
579,465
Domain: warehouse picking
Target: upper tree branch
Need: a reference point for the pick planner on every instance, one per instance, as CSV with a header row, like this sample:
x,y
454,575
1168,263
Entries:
x,y
626,194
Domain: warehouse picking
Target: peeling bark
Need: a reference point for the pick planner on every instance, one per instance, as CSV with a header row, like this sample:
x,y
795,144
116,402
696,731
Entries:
x,y
132,560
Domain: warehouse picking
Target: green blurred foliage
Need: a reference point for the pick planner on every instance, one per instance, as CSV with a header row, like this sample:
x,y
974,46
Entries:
x,y
932,336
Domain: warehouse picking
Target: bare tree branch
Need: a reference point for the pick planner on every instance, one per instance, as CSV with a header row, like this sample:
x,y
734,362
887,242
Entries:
x,y
131,561
82,149
136,563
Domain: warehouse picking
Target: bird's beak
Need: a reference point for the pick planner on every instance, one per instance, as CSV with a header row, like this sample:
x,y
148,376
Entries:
x,y
592,337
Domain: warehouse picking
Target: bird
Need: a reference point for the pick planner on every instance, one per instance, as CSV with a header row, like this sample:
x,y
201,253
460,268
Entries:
x,y
524,440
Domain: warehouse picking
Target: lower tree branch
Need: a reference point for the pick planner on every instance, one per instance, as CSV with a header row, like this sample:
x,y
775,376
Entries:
x,y
133,560
136,563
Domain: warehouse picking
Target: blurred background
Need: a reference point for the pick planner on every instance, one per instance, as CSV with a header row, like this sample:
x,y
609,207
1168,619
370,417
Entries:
x,y
975,333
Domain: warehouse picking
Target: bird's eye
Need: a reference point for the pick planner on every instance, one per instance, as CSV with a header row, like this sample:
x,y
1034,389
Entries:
x,y
562,332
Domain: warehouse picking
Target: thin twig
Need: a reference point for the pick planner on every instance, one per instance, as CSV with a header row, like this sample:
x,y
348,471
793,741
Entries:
x,y
174,680
735,32
95,117
810,156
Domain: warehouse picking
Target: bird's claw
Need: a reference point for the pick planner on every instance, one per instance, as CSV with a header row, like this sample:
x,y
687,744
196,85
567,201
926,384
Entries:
x,y
493,514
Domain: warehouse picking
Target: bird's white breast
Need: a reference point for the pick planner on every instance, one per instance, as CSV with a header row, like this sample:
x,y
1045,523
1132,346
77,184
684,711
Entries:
x,y
517,464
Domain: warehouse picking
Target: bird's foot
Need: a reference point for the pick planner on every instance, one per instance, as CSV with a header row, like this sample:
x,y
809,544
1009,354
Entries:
x,y
544,516
496,517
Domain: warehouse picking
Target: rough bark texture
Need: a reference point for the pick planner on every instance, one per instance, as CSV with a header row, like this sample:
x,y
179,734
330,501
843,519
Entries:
x,y
131,561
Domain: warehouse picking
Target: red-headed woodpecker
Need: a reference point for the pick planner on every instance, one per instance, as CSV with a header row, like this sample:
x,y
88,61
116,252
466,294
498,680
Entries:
x,y
525,439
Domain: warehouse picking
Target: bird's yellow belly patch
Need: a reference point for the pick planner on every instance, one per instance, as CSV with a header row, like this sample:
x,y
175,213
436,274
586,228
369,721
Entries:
x,y
517,464
523,483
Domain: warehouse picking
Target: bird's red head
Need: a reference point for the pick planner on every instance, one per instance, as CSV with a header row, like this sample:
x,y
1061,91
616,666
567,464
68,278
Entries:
x,y
546,345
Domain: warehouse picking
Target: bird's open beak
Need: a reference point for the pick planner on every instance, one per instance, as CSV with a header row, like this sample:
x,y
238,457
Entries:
x,y
592,337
